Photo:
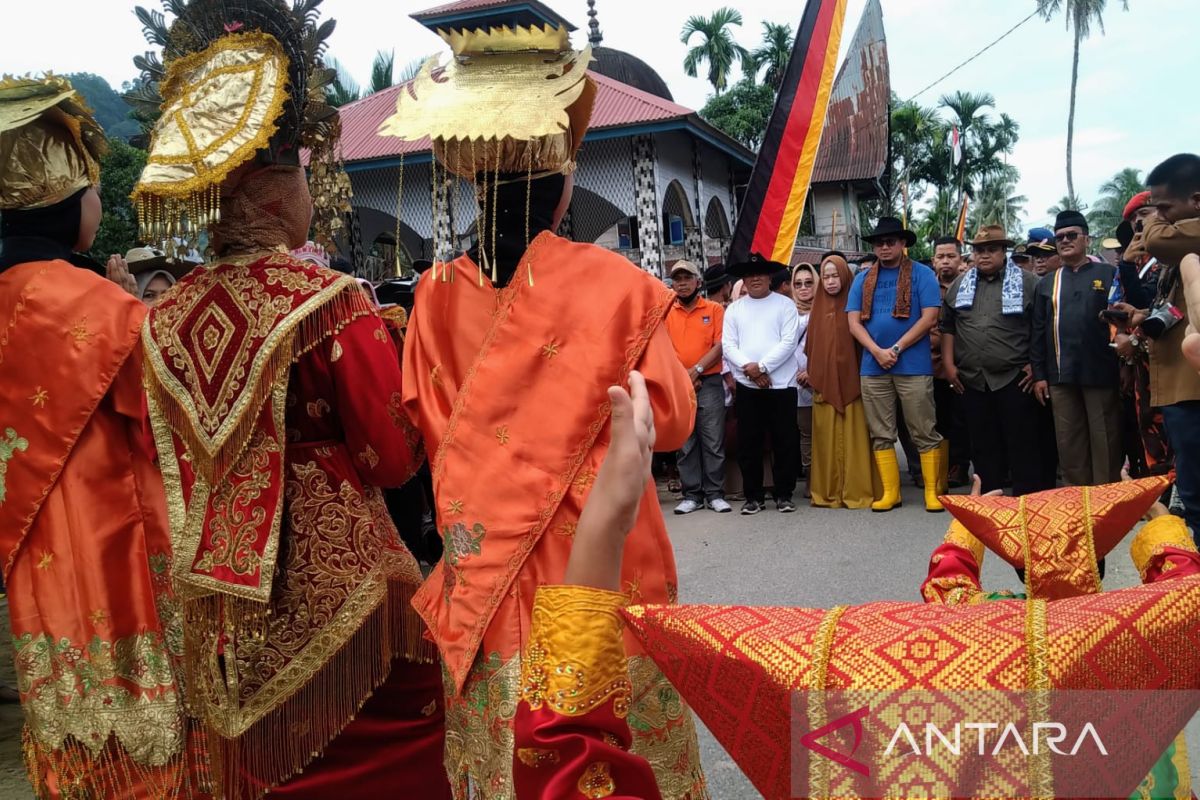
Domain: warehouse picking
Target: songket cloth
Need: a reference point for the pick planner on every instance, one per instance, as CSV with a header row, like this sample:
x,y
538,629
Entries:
x,y
84,546
274,391
843,471
508,387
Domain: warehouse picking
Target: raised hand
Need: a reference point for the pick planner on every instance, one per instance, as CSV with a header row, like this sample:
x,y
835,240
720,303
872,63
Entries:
x,y
612,507
118,272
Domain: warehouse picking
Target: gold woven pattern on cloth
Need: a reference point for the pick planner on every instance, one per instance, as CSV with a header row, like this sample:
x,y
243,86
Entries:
x,y
220,107
50,144
1160,532
959,535
575,660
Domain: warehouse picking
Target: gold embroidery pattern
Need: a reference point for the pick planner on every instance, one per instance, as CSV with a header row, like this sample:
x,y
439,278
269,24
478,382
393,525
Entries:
x,y
45,561
317,408
567,529
575,661
455,507
596,782
10,445
479,730
39,397
335,353
369,457
549,351
334,572
233,532
125,688
80,332
502,435
537,757
395,410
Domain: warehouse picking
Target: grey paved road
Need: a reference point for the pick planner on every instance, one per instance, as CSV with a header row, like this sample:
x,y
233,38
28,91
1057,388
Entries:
x,y
820,558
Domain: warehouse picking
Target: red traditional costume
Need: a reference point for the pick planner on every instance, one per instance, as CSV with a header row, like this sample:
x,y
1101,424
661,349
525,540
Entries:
x,y
274,391
83,526
739,666
507,382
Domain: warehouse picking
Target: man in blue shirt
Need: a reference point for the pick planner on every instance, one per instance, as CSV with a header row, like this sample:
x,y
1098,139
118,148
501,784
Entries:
x,y
892,308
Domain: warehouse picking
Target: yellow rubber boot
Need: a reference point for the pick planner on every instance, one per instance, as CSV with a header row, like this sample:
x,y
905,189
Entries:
x,y
889,474
932,469
944,467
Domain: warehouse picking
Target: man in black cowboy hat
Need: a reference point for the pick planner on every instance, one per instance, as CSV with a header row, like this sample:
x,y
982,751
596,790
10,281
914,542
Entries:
x,y
892,308
985,350
759,342
1073,364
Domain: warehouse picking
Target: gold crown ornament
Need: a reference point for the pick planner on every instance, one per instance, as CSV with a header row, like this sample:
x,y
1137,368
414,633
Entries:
x,y
50,144
239,82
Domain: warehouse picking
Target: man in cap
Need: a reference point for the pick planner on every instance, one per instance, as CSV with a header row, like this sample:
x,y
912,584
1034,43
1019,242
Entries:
x,y
1073,364
760,337
892,308
1043,255
985,347
695,324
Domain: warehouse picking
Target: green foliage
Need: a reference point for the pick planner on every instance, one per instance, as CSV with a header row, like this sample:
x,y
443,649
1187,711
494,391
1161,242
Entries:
x,y
742,112
382,70
343,89
717,46
1115,194
773,54
112,112
119,171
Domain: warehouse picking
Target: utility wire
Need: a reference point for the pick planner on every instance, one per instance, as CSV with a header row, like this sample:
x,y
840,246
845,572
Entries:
x,y
1003,36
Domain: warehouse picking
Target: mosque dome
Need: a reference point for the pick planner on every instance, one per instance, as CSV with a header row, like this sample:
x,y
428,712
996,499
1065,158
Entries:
x,y
622,66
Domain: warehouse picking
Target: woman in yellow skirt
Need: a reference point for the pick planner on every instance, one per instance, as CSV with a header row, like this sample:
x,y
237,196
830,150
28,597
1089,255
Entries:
x,y
843,473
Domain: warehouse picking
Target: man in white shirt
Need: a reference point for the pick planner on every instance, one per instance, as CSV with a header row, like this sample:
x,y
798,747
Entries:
x,y
759,342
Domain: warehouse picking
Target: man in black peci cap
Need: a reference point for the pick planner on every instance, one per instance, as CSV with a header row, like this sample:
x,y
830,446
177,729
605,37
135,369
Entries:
x,y
1073,364
759,342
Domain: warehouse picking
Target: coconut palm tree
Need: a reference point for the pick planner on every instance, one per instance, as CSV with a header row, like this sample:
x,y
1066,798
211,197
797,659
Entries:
x,y
717,47
774,53
344,89
383,69
1115,193
999,204
1068,203
1080,15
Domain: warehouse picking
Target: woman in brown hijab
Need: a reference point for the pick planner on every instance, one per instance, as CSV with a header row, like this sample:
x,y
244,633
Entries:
x,y
843,475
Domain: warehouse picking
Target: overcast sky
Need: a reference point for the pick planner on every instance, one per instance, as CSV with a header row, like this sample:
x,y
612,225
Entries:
x,y
1128,114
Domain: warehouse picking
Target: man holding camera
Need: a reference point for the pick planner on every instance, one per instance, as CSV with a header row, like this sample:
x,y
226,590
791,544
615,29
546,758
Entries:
x,y
1073,364
1171,236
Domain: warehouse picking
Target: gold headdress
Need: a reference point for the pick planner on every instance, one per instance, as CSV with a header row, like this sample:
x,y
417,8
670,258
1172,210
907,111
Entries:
x,y
50,145
514,100
239,80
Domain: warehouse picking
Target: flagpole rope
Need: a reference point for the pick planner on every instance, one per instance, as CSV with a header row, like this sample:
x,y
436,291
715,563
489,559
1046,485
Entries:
x,y
1003,36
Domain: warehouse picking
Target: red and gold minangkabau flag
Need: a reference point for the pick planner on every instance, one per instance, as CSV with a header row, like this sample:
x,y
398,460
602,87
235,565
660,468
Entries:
x,y
960,232
774,202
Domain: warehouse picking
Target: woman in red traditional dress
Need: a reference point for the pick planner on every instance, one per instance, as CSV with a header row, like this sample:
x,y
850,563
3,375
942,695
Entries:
x,y
274,391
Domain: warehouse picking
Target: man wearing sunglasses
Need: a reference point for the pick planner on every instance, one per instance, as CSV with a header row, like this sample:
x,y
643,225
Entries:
x,y
1073,364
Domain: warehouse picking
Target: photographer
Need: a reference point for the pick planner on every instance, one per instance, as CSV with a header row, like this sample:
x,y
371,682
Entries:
x,y
1175,385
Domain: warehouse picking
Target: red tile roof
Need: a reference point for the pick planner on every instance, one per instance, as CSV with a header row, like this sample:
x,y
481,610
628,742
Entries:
x,y
617,105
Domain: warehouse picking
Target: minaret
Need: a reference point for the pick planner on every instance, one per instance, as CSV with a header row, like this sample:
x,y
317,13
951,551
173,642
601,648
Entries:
x,y
594,34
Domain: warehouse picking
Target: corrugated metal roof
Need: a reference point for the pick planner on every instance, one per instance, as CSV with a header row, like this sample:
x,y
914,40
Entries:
x,y
470,7
617,105
854,145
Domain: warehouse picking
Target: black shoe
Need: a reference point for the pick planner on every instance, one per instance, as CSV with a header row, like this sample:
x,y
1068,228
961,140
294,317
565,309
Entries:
x,y
785,506
751,507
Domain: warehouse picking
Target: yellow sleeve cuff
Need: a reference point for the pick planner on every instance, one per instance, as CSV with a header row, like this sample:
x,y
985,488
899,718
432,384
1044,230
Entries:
x,y
575,660
1165,531
959,535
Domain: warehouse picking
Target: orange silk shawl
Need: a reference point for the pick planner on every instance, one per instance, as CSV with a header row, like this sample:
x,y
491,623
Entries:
x,y
509,389
83,530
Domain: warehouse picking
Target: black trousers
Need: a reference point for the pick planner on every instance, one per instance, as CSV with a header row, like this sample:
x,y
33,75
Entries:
x,y
1003,428
763,412
952,422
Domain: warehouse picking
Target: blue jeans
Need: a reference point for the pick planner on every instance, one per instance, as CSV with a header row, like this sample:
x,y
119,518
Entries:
x,y
1183,430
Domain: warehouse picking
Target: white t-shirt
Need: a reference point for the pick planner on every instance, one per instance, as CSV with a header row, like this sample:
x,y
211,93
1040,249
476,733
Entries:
x,y
763,331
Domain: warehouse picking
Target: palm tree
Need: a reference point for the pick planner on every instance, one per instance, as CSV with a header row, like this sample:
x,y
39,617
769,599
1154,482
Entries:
x,y
1068,203
999,204
969,113
717,48
774,53
1079,16
1115,193
344,89
382,70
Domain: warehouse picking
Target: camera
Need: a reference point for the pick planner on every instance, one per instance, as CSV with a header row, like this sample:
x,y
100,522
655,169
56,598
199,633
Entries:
x,y
1163,317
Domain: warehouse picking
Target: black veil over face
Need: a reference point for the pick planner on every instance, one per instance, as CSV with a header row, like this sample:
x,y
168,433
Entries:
x,y
505,205
40,234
